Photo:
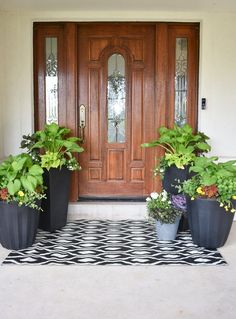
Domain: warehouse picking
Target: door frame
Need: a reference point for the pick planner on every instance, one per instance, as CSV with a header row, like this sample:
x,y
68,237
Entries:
x,y
66,32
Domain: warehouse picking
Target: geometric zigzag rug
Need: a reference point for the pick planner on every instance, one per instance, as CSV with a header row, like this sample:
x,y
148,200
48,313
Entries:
x,y
106,242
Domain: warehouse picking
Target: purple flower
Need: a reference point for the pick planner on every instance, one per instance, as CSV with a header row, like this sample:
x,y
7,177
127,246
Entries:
x,y
179,202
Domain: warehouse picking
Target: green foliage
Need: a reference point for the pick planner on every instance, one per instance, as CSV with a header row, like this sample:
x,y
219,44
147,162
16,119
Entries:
x,y
55,146
212,179
160,208
28,142
21,180
52,160
181,145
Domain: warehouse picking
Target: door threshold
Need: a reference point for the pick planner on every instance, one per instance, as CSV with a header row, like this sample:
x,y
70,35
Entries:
x,y
112,210
112,199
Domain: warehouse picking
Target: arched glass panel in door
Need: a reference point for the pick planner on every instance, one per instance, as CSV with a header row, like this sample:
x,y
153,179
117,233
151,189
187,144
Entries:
x,y
116,99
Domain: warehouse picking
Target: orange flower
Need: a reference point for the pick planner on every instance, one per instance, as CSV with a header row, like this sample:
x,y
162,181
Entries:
x,y
210,191
3,193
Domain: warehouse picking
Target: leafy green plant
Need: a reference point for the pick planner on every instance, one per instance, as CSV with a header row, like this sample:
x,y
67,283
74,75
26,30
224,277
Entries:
x,y
21,181
160,208
212,179
181,146
28,142
54,146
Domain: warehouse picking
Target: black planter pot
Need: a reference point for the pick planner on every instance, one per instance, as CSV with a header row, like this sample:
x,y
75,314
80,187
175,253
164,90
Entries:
x,y
183,224
18,225
171,177
209,223
55,206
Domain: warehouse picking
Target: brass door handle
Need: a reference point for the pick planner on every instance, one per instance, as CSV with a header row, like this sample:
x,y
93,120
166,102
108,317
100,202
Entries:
x,y
82,121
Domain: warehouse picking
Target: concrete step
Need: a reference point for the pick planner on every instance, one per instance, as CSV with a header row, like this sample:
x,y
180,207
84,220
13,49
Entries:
x,y
107,210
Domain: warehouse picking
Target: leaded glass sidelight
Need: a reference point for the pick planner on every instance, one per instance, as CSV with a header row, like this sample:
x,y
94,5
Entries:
x,y
51,80
116,96
181,66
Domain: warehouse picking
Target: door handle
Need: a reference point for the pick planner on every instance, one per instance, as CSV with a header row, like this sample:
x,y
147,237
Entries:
x,y
82,121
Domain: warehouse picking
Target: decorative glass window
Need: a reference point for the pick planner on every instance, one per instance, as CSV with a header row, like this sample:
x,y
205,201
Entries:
x,y
51,80
116,96
181,65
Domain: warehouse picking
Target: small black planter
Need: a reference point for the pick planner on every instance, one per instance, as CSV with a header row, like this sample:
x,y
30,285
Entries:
x,y
55,206
179,202
209,223
183,224
18,225
171,177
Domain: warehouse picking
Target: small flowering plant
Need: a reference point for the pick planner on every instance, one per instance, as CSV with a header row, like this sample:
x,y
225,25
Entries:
x,y
212,180
160,207
21,181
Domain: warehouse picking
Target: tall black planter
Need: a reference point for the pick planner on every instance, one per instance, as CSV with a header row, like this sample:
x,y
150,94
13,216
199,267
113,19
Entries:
x,y
55,206
171,177
18,225
209,223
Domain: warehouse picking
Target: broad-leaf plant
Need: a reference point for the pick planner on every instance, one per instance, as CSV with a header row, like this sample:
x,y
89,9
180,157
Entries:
x,y
53,147
21,181
181,146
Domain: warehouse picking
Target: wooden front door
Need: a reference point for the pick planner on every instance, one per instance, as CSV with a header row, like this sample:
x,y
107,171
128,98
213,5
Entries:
x,y
116,86
77,65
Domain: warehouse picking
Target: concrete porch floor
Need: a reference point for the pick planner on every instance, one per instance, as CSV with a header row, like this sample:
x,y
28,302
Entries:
x,y
120,292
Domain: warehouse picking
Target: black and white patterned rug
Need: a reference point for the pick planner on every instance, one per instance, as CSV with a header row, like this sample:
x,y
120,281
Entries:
x,y
99,242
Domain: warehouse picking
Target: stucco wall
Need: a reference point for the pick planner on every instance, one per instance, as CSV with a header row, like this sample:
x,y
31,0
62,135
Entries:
x,y
1,84
217,71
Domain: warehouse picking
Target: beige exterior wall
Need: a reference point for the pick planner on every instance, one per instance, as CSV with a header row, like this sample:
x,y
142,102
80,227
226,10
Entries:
x,y
216,82
1,85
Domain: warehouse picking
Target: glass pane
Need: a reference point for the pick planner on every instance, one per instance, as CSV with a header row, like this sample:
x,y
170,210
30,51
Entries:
x,y
116,99
51,81
181,65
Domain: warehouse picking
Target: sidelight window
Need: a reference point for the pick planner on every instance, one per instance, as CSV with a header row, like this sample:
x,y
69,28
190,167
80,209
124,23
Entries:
x,y
181,84
51,80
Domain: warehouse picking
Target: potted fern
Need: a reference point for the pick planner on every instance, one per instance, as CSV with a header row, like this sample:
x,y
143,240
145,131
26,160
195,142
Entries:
x,y
21,191
54,149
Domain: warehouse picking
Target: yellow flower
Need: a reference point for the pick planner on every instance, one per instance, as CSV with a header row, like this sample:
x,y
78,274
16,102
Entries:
x,y
199,190
21,194
234,196
221,204
192,198
20,203
232,210
226,208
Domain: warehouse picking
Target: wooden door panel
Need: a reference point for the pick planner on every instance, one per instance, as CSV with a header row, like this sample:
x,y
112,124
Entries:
x,y
94,115
120,169
116,164
137,115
